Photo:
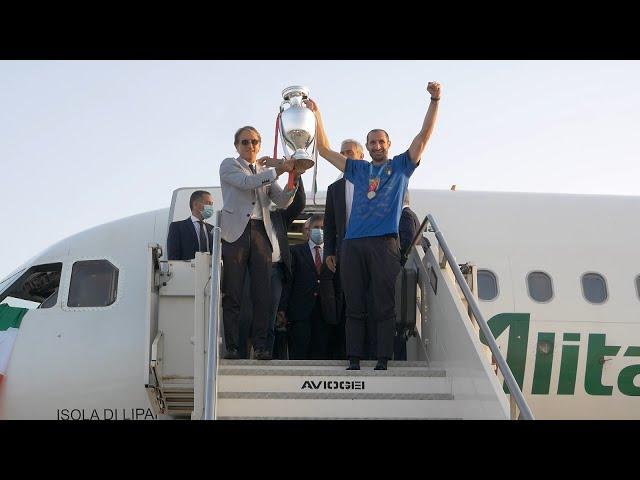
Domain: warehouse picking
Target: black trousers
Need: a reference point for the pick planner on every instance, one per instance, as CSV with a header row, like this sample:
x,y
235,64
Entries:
x,y
337,334
399,347
336,349
246,312
369,267
337,343
309,337
251,251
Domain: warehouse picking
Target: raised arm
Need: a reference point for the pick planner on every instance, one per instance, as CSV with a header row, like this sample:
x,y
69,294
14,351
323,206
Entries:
x,y
420,142
335,158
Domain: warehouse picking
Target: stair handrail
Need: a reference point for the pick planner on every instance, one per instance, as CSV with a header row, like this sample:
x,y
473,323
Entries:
x,y
214,321
514,388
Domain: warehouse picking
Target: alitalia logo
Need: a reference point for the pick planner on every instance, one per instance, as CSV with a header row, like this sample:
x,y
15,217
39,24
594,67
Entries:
x,y
598,353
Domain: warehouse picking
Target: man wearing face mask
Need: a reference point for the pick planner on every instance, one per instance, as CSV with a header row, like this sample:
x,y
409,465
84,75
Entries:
x,y
193,234
309,299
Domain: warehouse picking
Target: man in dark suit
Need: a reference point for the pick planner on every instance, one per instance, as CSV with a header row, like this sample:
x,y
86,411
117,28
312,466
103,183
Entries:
x,y
282,274
281,220
409,225
337,210
193,234
309,298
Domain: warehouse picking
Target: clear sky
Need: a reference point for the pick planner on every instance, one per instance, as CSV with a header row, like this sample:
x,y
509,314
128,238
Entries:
x,y
86,142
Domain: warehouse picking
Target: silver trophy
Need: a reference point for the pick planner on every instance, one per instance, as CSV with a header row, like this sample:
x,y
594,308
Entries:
x,y
297,125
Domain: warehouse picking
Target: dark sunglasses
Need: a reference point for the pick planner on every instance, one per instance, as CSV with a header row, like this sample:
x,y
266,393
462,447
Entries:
x,y
253,142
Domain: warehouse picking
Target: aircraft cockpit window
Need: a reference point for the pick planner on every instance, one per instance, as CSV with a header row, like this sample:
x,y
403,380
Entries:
x,y
7,281
487,285
35,288
94,283
594,288
539,286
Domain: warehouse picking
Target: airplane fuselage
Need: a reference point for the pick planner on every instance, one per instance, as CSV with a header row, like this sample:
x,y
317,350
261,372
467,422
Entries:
x,y
572,357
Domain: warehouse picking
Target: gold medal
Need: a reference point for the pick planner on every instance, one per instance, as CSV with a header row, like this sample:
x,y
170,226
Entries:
x,y
371,194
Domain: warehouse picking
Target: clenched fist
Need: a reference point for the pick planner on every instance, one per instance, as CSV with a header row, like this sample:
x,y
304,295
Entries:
x,y
434,89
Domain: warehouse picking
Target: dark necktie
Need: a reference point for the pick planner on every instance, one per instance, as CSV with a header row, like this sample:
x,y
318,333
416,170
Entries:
x,y
204,247
318,259
253,170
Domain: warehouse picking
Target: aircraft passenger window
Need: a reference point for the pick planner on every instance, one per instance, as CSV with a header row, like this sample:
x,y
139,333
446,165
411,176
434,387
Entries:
x,y
594,288
94,283
35,288
539,286
487,285
638,285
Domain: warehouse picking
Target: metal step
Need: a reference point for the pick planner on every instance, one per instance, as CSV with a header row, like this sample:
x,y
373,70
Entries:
x,y
282,389
177,392
323,418
330,382
305,371
288,408
353,395
318,363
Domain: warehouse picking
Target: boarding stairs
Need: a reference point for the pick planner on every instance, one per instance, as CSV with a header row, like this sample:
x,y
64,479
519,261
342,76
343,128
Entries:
x,y
450,373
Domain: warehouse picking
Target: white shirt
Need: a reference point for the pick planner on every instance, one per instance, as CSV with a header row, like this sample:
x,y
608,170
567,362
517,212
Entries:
x,y
256,214
348,198
275,255
313,246
196,225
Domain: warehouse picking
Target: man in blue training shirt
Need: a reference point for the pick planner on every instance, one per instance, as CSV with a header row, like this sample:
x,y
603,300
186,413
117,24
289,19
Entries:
x,y
370,255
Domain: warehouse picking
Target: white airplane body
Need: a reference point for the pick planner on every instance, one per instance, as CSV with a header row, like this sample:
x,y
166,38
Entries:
x,y
576,359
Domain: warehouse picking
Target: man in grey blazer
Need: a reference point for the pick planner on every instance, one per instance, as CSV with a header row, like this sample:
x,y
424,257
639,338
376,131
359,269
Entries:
x,y
248,187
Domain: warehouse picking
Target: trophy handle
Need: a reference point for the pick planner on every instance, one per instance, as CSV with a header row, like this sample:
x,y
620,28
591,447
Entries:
x,y
283,104
314,185
284,148
287,155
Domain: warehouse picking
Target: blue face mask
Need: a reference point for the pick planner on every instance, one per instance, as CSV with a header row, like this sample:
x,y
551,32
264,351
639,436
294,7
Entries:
x,y
317,236
207,211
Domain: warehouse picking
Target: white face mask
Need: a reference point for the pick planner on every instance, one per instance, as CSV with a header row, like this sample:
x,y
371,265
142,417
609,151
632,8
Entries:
x,y
317,236
207,211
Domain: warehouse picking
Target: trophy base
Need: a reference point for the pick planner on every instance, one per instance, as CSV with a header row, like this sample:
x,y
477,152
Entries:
x,y
301,154
303,163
